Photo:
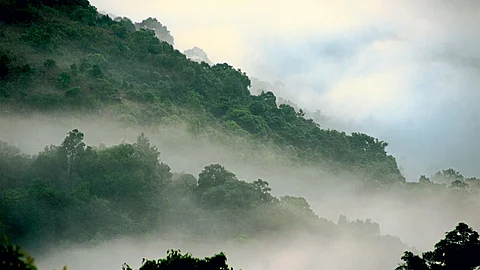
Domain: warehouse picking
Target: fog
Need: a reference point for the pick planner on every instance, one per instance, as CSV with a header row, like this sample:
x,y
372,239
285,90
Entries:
x,y
298,252
409,76
406,72
419,218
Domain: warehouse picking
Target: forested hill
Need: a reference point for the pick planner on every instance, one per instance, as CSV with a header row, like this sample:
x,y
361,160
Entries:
x,y
65,56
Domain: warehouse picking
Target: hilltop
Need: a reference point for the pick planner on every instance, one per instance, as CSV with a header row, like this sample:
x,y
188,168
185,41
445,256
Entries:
x,y
65,56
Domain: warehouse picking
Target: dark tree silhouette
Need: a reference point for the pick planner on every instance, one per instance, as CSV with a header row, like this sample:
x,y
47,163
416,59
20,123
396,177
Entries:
x,y
459,250
12,257
175,260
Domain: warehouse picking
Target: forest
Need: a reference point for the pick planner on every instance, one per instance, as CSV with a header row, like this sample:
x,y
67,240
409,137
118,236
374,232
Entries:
x,y
66,58
458,250
62,57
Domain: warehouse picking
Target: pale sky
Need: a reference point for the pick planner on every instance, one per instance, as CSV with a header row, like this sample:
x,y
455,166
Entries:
x,y
405,71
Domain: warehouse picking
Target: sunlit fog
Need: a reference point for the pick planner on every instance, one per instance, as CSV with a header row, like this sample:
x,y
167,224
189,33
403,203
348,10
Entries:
x,y
259,134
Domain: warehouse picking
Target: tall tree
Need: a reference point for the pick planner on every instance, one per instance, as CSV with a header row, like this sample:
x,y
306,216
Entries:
x,y
72,147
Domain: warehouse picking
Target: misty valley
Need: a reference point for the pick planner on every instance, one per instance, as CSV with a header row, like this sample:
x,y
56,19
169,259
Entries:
x,y
118,151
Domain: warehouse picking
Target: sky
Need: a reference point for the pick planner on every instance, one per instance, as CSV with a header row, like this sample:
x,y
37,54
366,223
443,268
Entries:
x,y
407,72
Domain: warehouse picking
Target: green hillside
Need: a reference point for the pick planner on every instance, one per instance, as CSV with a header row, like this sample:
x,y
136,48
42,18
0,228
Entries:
x,y
63,56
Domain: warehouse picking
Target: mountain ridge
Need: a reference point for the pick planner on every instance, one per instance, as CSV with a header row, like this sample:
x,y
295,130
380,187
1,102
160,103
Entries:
x,y
70,57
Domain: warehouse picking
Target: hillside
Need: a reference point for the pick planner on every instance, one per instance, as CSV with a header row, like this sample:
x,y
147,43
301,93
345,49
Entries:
x,y
76,194
65,56
180,153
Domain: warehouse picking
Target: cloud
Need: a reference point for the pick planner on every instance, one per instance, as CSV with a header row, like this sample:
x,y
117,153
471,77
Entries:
x,y
225,29
409,76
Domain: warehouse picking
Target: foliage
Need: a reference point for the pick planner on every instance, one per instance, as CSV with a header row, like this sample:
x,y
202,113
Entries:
x,y
458,250
13,258
176,260
75,192
447,176
161,31
63,55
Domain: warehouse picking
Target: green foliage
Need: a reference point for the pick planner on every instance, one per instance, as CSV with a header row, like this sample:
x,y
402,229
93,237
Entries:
x,y
366,227
219,188
76,192
13,258
85,15
213,176
127,23
73,92
39,37
96,72
64,80
14,11
161,31
249,122
4,65
120,30
459,184
12,164
176,260
49,195
447,176
458,250
50,63
424,180
58,55
297,205
120,62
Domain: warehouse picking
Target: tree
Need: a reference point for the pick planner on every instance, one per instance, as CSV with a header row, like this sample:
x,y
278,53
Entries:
x,y
161,31
262,187
459,250
297,205
155,173
124,64
214,175
424,180
473,183
13,258
12,163
175,260
72,147
413,262
447,176
458,184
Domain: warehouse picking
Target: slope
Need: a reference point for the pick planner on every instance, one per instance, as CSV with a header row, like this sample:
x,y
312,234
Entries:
x,y
64,56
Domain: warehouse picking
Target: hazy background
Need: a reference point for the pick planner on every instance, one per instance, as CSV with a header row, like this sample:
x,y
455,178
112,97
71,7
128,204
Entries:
x,y
407,72
418,217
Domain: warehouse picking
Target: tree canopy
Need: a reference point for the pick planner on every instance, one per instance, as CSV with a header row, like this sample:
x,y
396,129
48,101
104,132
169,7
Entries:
x,y
175,260
64,56
459,250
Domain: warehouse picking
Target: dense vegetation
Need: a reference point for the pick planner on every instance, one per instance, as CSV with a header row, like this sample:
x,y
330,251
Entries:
x,y
12,257
63,55
176,260
77,193
458,250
